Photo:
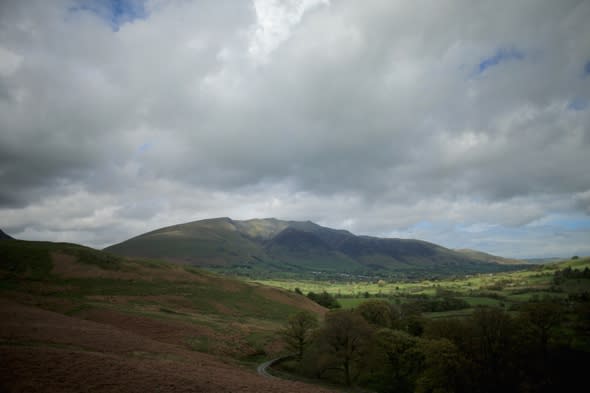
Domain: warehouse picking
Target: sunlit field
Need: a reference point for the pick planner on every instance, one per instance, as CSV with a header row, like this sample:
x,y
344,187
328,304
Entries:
x,y
494,289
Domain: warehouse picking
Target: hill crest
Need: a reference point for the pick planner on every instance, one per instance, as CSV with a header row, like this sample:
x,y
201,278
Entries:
x,y
296,247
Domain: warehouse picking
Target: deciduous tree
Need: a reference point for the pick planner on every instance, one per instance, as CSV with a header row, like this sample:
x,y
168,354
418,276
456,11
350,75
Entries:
x,y
346,336
298,331
403,360
377,312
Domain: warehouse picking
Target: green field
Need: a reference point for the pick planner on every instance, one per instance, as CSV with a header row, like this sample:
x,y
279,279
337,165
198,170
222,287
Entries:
x,y
492,289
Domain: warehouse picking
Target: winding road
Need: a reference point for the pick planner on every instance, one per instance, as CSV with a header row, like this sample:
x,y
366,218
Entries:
x,y
262,368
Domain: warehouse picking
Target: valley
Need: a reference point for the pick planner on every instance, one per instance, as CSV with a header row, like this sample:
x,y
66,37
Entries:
x,y
77,319
505,289
294,196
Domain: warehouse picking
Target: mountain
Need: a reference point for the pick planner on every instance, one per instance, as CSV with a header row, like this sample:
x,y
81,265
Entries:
x,y
542,261
297,247
4,236
485,257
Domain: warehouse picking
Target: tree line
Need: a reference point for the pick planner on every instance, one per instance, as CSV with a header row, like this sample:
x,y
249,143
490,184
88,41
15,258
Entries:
x,y
391,348
567,273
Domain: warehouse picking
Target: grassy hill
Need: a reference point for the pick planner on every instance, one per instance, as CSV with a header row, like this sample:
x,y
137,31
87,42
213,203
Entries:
x,y
199,307
260,246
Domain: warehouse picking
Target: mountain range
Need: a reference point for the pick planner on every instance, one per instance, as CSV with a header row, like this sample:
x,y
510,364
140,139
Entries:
x,y
272,245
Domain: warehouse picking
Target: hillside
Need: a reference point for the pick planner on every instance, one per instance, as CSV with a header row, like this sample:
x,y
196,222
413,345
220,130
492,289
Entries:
x,y
298,247
485,257
132,325
4,236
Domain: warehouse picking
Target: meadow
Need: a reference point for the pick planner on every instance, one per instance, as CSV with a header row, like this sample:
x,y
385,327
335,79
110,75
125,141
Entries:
x,y
491,289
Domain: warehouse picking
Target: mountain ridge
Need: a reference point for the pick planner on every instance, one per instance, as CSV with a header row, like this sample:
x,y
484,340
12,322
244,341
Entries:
x,y
297,247
483,256
5,236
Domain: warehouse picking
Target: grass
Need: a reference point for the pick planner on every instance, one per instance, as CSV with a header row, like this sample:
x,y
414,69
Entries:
x,y
25,258
229,306
450,314
242,311
481,301
200,343
348,303
490,289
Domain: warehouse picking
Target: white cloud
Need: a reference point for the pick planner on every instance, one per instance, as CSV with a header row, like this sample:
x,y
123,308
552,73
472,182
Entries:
x,y
274,21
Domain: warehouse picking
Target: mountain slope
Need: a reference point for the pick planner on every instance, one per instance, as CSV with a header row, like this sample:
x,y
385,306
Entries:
x,y
297,247
485,257
4,236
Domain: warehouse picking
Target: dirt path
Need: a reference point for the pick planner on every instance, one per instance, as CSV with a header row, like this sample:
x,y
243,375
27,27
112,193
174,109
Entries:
x,y
262,368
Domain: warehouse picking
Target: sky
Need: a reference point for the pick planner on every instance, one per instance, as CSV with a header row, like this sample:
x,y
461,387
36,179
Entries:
x,y
463,123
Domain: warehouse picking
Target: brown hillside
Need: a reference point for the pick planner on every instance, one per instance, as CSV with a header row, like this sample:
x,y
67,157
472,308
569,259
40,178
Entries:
x,y
43,351
73,319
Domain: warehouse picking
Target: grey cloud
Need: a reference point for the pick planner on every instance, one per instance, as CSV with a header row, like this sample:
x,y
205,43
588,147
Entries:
x,y
368,115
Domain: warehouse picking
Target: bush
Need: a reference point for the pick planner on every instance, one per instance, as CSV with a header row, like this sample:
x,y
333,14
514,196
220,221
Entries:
x,y
440,304
324,299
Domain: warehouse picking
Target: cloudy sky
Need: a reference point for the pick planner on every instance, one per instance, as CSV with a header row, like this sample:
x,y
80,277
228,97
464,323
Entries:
x,y
465,123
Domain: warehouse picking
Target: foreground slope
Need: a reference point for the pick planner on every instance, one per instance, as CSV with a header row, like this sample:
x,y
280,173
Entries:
x,y
44,351
77,319
297,246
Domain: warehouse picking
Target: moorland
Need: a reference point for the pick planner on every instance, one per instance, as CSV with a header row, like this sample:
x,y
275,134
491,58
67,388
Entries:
x,y
80,320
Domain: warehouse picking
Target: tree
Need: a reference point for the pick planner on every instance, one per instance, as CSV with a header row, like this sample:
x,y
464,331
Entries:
x,y
443,367
493,349
324,299
454,329
346,336
542,318
411,319
377,312
402,359
298,332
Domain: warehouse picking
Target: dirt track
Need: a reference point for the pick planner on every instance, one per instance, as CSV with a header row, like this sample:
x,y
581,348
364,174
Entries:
x,y
43,351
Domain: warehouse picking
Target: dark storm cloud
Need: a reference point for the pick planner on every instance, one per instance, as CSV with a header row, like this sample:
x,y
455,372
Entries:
x,y
373,115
